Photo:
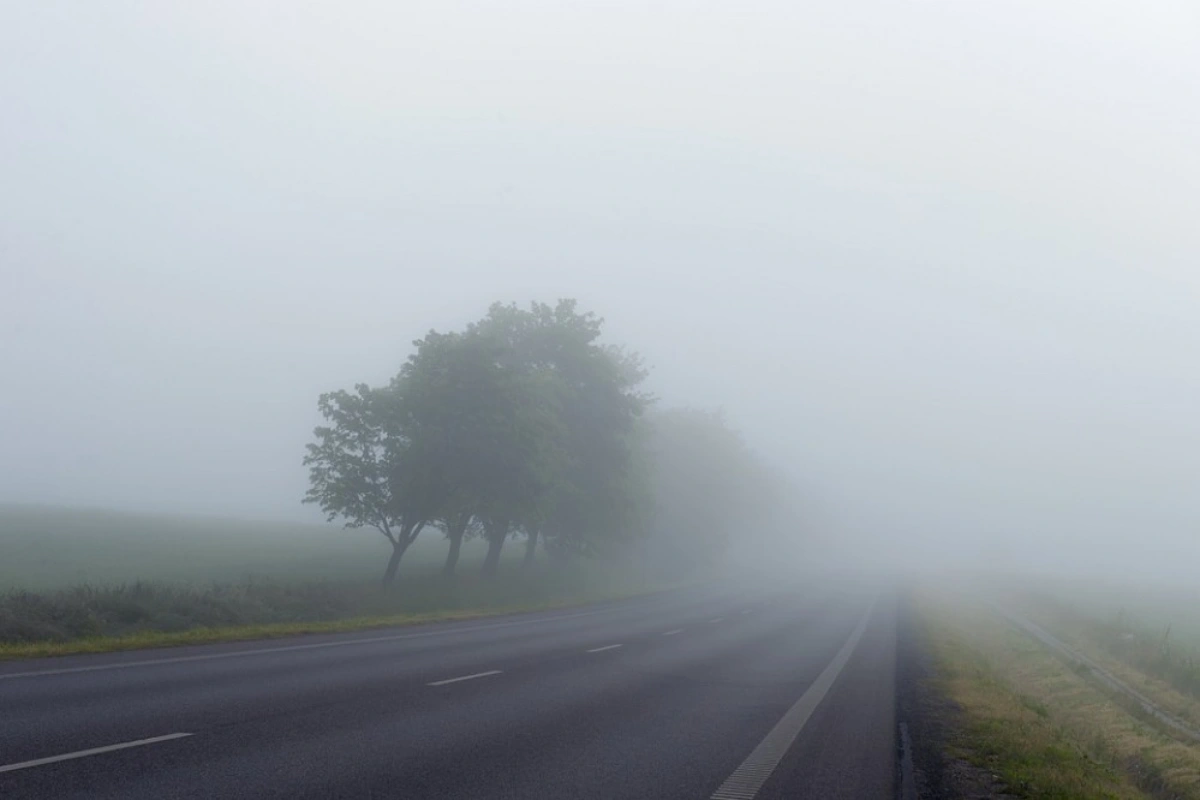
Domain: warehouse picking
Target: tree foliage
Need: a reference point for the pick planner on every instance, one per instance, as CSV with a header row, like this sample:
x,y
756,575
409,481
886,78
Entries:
x,y
360,469
707,486
526,424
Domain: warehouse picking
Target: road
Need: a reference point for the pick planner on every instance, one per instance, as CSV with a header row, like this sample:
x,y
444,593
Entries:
x,y
726,693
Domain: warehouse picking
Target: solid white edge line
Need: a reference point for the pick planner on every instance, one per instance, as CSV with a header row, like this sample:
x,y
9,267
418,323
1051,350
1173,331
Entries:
x,y
37,762
748,779
151,662
466,677
602,649
672,633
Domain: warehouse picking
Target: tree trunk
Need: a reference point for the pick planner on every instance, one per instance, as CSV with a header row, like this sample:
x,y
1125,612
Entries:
x,y
495,532
456,538
492,561
389,574
530,547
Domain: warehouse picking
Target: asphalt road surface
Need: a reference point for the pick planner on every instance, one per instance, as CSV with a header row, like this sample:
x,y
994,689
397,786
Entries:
x,y
730,694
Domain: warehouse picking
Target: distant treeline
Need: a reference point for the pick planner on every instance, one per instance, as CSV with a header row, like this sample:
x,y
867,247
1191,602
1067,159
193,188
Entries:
x,y
524,425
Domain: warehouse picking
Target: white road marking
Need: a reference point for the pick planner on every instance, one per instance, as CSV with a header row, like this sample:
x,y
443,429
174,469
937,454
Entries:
x,y
37,762
466,677
602,649
151,662
747,610
672,633
718,619
748,779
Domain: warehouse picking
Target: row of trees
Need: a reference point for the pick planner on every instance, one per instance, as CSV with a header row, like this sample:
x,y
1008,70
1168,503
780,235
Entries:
x,y
524,425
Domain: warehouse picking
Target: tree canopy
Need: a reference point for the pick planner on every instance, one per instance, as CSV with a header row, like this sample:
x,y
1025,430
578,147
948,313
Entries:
x,y
527,424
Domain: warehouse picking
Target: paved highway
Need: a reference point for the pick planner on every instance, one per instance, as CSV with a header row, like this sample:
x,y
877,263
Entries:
x,y
722,693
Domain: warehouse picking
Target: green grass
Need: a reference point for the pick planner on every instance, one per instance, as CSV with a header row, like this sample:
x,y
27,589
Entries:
x,y
233,633
83,581
46,547
1155,631
1045,728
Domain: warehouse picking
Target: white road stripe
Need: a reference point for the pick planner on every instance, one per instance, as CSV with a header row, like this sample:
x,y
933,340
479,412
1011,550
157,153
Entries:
x,y
748,778
37,762
152,662
672,633
718,619
746,610
602,649
466,677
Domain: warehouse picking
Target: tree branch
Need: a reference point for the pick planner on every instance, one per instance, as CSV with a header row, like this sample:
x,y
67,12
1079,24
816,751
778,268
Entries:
x,y
386,531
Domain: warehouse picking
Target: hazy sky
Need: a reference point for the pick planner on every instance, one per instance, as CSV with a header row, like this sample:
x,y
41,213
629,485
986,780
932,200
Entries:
x,y
940,258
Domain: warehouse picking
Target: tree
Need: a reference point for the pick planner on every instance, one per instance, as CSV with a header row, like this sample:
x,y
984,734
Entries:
x,y
439,391
458,524
359,469
588,507
485,434
527,424
707,486
520,456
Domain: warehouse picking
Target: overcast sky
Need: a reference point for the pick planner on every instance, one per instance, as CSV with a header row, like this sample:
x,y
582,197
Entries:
x,y
941,259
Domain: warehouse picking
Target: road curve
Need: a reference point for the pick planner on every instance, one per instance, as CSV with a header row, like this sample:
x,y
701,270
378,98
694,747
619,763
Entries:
x,y
725,693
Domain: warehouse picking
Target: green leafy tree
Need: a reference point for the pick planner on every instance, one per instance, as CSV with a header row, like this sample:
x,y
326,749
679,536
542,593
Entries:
x,y
590,506
360,469
520,458
522,424
485,434
440,392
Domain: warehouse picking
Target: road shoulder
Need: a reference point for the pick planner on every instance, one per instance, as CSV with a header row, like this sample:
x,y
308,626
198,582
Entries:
x,y
932,721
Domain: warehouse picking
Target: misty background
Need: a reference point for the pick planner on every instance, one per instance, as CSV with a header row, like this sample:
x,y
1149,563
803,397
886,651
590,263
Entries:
x,y
938,260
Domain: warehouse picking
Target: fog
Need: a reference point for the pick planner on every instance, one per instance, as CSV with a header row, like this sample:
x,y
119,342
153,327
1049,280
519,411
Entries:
x,y
937,260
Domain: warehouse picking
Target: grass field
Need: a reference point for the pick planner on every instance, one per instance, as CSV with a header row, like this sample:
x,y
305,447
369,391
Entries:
x,y
1149,606
88,581
1152,631
133,616
48,548
1043,725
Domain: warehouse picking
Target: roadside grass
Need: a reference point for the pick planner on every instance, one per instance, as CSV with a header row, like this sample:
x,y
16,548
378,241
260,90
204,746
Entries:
x,y
1040,724
1160,664
1152,652
1146,606
134,616
236,633
87,581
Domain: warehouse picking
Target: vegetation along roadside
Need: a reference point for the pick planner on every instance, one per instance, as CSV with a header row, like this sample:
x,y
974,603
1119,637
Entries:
x,y
996,714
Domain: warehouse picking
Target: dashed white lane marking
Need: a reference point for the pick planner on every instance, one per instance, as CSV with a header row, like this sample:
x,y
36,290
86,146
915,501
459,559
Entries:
x,y
602,649
95,751
259,651
672,633
748,779
717,619
465,677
